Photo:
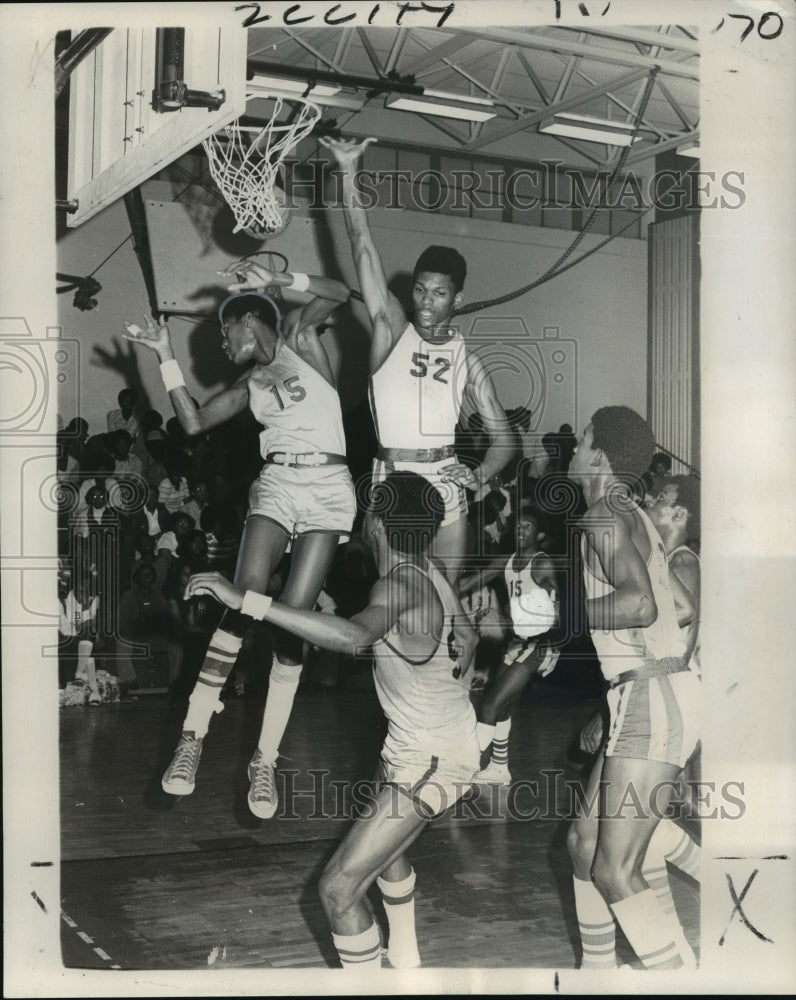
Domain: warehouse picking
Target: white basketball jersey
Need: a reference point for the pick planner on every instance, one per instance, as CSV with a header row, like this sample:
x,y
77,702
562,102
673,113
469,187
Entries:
x,y
299,410
624,649
416,395
532,609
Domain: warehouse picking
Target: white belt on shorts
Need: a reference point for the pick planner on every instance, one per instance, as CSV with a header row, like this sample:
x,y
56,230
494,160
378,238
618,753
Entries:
x,y
308,459
417,454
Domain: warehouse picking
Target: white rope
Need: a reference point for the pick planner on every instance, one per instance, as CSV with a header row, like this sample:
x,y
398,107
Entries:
x,y
245,169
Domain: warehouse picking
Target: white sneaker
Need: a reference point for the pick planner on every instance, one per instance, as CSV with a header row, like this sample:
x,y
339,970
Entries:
x,y
493,774
263,798
180,776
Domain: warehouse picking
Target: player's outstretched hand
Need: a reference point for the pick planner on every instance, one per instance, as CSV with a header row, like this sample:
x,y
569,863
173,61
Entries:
x,y
217,586
156,338
461,475
251,277
346,151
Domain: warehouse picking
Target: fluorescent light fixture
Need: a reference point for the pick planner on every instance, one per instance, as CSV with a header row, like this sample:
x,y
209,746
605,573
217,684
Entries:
x,y
282,85
423,107
466,98
689,149
591,129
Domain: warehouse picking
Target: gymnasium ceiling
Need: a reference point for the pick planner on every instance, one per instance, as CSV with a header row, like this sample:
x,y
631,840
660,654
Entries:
x,y
528,73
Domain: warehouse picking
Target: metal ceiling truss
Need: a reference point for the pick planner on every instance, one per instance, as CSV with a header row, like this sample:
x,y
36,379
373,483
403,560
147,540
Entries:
x,y
503,57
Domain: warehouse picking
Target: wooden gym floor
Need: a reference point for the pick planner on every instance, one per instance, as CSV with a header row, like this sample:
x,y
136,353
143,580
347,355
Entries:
x,y
156,882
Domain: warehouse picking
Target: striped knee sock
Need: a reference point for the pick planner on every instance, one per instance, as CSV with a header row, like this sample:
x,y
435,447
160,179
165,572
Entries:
x,y
597,927
669,841
500,744
675,844
282,687
359,951
651,933
204,701
399,905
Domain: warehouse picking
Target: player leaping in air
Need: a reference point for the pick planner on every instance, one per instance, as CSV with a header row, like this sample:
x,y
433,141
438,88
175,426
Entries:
x,y
304,494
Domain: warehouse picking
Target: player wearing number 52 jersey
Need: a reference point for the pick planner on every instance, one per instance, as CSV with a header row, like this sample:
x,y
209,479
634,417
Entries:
x,y
420,371
303,497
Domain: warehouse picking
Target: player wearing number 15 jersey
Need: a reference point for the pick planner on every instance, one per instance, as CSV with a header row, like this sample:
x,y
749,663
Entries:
x,y
421,371
304,496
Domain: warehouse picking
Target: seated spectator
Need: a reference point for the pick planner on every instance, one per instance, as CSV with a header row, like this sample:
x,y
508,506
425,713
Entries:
x,y
102,476
193,548
173,491
151,514
125,418
661,465
179,528
152,426
126,464
656,477
145,555
77,633
68,466
96,454
145,520
197,501
97,514
165,557
152,447
97,528
76,433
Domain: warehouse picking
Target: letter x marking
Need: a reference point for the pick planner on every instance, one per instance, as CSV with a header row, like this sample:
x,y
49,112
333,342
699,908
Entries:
x,y
739,909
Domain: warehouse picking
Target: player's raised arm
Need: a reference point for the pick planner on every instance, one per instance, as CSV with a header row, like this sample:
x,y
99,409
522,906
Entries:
x,y
193,419
327,293
386,313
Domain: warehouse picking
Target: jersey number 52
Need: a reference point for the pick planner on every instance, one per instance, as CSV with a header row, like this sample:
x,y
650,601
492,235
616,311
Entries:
x,y
421,362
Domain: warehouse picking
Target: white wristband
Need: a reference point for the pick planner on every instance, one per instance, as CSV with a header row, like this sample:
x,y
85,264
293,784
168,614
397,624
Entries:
x,y
300,282
255,605
171,374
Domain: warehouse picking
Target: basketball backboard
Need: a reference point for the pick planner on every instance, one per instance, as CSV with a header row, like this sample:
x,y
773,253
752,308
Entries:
x,y
122,130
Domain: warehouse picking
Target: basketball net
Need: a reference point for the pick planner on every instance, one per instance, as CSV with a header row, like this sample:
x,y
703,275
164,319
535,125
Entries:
x,y
245,164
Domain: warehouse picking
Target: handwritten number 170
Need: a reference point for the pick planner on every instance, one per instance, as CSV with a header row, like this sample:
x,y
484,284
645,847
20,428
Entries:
x,y
768,34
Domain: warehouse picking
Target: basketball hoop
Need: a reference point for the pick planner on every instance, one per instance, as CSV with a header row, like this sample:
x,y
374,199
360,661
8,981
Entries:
x,y
244,163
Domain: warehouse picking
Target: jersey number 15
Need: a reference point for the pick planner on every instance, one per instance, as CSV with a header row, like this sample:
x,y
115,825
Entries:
x,y
294,390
